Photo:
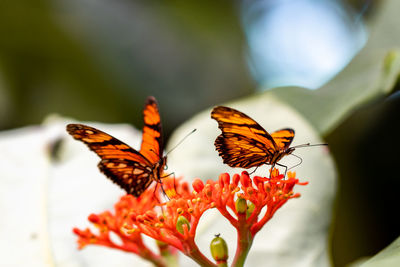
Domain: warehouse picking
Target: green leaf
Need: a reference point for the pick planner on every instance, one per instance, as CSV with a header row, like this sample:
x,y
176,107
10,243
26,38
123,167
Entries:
x,y
389,257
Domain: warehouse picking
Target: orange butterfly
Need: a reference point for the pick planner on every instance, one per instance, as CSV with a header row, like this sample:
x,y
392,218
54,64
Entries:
x,y
244,143
132,170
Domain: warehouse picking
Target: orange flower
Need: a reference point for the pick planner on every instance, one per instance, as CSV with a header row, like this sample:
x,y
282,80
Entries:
x,y
174,221
118,223
258,192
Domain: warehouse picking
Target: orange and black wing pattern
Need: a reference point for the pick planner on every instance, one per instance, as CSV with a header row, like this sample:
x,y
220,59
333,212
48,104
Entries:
x,y
283,138
243,142
152,142
130,169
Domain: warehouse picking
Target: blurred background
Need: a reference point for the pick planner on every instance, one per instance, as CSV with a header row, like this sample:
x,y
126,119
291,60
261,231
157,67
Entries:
x,y
99,60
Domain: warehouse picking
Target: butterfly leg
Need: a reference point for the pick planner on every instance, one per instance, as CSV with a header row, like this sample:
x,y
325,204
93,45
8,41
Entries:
x,y
172,173
284,166
155,190
162,188
254,170
154,193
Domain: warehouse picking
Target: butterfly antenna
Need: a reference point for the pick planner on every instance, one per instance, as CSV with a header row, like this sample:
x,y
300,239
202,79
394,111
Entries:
x,y
308,145
180,142
301,161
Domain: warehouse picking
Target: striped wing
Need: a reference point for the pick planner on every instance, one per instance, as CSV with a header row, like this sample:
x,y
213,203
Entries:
x,y
132,176
152,146
283,138
119,162
243,142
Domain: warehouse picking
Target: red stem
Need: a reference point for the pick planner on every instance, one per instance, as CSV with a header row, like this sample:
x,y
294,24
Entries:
x,y
224,212
149,255
267,216
140,249
244,241
191,250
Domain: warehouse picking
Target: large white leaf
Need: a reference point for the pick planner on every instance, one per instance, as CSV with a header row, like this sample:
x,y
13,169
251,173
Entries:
x,y
297,235
42,199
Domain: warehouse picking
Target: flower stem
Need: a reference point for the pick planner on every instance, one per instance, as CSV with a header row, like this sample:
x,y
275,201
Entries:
x,y
222,264
244,241
157,260
193,252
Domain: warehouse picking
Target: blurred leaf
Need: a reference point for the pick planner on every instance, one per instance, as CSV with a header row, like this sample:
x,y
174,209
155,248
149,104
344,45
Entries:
x,y
388,257
372,73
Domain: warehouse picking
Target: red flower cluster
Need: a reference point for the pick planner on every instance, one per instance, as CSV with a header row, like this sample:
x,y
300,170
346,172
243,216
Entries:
x,y
108,223
174,221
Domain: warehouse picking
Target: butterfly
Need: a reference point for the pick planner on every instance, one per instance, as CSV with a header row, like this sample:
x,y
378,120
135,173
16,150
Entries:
x,y
244,143
132,170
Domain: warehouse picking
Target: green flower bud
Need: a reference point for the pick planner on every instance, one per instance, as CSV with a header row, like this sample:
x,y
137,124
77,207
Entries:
x,y
180,222
250,209
241,205
219,249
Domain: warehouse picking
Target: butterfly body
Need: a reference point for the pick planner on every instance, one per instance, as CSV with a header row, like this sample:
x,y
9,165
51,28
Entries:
x,y
244,143
132,170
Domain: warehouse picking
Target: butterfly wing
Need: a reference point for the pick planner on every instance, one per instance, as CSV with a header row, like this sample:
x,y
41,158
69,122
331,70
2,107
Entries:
x,y
243,142
283,138
132,176
152,146
121,163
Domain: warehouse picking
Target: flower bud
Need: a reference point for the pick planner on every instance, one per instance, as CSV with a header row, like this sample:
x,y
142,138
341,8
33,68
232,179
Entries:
x,y
224,179
236,179
250,209
241,205
219,249
245,179
198,185
94,218
180,222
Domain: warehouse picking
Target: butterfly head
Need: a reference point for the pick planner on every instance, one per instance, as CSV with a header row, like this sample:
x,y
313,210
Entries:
x,y
159,167
289,150
279,154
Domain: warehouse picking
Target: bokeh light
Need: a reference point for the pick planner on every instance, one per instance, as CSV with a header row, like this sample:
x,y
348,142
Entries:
x,y
303,42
